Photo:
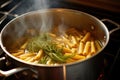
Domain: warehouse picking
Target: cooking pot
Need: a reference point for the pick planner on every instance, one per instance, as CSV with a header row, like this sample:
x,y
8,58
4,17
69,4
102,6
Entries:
x,y
18,30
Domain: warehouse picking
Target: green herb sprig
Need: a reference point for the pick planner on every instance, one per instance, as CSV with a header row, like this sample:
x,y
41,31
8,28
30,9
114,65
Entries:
x,y
44,41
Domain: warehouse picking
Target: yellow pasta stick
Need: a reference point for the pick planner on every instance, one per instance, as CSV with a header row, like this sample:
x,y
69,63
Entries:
x,y
70,60
18,53
35,62
93,50
52,35
38,56
26,55
66,41
80,48
28,58
31,59
87,48
73,40
86,37
78,57
73,50
66,50
23,46
88,56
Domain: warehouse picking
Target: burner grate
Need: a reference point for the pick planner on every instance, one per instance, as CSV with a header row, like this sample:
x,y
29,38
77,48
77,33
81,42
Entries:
x,y
6,11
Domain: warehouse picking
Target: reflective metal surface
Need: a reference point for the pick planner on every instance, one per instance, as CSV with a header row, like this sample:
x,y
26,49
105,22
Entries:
x,y
111,55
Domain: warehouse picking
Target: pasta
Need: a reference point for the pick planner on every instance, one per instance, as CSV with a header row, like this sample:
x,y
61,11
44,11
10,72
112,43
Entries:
x,y
93,50
86,48
86,37
53,49
80,48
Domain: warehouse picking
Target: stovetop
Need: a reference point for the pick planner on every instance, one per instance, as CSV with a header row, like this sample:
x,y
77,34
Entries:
x,y
10,9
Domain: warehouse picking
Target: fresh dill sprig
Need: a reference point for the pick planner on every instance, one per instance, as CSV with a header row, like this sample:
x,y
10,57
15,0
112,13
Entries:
x,y
38,42
44,42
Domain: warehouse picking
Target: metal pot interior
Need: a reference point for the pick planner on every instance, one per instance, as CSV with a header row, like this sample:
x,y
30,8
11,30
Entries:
x,y
27,25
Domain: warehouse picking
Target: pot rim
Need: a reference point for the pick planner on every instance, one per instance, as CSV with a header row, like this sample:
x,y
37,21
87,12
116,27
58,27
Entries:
x,y
57,10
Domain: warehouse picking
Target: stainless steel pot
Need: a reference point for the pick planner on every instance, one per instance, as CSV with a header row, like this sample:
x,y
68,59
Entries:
x,y
23,27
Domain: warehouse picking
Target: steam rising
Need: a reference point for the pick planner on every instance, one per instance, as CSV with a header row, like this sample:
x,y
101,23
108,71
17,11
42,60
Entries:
x,y
46,23
41,4
43,24
46,19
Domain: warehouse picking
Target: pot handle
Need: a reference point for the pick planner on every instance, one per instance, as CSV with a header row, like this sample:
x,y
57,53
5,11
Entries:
x,y
15,70
112,22
2,58
10,72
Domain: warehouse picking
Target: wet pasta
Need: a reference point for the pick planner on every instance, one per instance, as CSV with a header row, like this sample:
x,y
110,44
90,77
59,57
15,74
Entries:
x,y
52,49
